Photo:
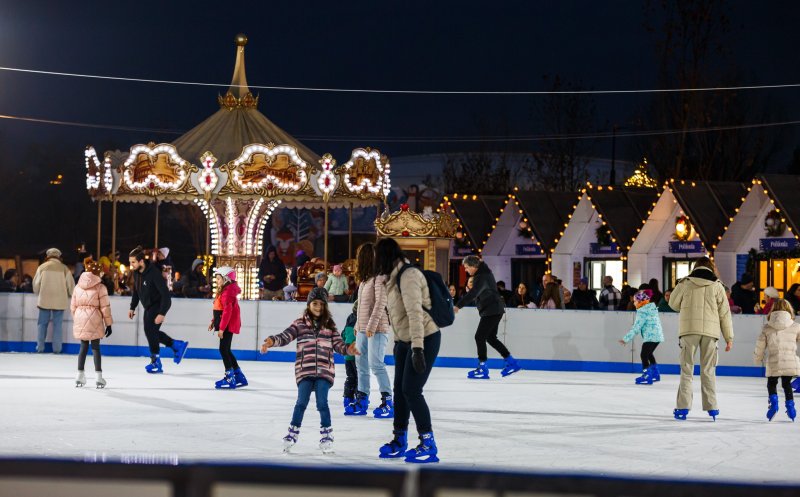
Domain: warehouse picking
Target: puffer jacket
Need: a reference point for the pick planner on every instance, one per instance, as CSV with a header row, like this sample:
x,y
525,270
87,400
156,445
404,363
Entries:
x,y
372,299
409,320
647,324
779,339
703,306
231,320
91,308
315,348
484,293
54,285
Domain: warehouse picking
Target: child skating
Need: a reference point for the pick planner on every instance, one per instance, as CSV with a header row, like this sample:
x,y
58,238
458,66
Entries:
x,y
227,322
778,339
314,370
91,314
351,383
648,325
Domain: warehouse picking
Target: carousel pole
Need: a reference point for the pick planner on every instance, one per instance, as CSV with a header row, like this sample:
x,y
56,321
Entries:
x,y
325,249
99,226
350,232
158,203
114,230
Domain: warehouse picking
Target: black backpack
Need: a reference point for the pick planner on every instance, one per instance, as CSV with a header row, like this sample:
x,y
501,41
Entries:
x,y
441,310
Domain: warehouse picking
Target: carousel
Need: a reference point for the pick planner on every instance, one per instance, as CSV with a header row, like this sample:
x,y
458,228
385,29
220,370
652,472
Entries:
x,y
237,167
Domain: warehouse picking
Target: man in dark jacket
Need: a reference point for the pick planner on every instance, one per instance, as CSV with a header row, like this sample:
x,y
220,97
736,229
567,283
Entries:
x,y
491,309
584,298
744,295
150,289
196,286
272,273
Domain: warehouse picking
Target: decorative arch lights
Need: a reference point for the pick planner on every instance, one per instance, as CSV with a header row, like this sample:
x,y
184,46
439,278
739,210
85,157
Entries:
x,y
230,215
155,171
208,177
361,181
270,180
213,225
97,173
327,179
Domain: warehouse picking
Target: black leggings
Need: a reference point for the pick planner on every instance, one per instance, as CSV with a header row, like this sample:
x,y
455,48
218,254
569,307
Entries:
x,y
153,331
487,333
351,383
95,354
408,384
648,359
225,351
786,383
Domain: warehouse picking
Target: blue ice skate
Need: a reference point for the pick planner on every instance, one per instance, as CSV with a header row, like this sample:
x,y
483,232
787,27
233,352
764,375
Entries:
x,y
796,385
646,378
479,373
772,407
790,410
228,382
397,447
155,366
241,379
346,401
425,452
386,409
359,407
179,347
512,366
654,372
713,413
680,414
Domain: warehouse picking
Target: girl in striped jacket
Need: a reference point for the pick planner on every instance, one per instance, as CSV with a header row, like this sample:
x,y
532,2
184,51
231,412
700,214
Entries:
x,y
314,369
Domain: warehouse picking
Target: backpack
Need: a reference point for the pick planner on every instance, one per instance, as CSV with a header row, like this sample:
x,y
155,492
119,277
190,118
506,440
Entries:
x,y
441,310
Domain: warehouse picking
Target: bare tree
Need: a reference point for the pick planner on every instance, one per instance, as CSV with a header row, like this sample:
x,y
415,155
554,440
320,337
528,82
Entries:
x,y
478,173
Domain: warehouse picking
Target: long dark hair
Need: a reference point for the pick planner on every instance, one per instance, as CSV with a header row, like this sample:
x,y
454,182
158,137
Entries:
x,y
325,317
365,262
387,253
551,291
789,296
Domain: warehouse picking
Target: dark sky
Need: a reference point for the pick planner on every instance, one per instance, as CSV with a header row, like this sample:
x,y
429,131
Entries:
x,y
464,45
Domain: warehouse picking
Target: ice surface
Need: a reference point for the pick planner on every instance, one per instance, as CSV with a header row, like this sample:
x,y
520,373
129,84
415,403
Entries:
x,y
534,420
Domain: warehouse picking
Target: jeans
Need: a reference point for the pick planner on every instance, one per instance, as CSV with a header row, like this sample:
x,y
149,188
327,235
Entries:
x,y
487,333
372,350
320,388
408,384
44,318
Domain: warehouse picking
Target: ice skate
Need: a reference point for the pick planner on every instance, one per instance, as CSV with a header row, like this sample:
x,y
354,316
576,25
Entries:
x,y
680,414
179,347
397,447
646,378
796,385
99,381
479,373
290,439
512,366
80,380
655,373
359,407
240,378
155,366
425,452
772,407
386,409
713,413
227,382
790,410
326,440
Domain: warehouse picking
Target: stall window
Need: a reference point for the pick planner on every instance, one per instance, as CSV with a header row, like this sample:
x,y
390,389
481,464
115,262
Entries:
x,y
780,273
674,270
599,269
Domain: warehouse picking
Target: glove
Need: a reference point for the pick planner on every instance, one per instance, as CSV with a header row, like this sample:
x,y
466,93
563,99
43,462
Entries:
x,y
108,331
418,360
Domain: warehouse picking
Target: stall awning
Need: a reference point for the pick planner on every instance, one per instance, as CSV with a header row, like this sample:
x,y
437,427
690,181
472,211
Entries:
x,y
623,209
784,190
547,212
478,214
710,206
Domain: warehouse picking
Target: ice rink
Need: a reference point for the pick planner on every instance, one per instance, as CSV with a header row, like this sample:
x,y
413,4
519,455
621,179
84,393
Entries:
x,y
571,422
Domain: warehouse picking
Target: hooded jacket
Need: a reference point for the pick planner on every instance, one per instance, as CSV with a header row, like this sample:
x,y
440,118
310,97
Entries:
x,y
703,306
91,308
647,324
484,293
231,320
315,348
150,288
54,284
275,267
409,320
779,339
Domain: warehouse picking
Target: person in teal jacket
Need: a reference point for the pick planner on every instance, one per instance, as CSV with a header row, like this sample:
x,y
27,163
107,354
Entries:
x,y
648,325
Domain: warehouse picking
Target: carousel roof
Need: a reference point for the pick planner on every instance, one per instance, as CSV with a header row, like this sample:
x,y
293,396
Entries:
x,y
710,205
782,189
547,213
623,209
236,124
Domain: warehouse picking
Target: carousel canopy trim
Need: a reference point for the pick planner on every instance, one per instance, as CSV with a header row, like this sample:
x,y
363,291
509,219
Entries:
x,y
709,205
783,192
547,213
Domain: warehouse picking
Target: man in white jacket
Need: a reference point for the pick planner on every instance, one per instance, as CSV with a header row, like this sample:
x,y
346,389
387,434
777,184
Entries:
x,y
53,284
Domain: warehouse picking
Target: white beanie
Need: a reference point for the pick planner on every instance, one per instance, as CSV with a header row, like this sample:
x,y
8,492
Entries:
x,y
53,252
164,251
771,292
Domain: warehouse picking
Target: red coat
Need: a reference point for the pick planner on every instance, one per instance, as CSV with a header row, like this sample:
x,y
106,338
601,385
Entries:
x,y
231,317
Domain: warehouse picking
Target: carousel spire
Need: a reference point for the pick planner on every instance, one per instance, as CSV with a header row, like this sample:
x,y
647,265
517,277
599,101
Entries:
x,y
238,95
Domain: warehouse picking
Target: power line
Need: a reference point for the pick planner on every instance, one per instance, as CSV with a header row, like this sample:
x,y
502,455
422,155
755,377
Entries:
x,y
440,139
410,92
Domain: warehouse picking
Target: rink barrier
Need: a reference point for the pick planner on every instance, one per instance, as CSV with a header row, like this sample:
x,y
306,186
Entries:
x,y
135,476
552,340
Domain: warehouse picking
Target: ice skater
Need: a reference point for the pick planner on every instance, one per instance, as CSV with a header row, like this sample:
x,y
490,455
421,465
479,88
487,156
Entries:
x,y
491,309
91,319
648,325
314,370
150,288
779,338
227,322
351,381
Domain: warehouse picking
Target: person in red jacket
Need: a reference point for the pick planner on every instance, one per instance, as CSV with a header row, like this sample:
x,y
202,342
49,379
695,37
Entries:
x,y
227,322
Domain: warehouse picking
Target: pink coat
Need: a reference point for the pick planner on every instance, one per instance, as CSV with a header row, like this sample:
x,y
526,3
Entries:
x,y
91,309
372,301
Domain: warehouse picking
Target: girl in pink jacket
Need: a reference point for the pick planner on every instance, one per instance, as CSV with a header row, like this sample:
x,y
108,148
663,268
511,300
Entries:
x,y
91,315
314,370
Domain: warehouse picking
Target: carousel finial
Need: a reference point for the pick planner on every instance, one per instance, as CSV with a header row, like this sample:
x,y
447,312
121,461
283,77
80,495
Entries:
x,y
241,40
238,95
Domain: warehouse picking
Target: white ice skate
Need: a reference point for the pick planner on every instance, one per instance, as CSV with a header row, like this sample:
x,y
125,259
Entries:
x,y
326,442
80,380
99,381
290,439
